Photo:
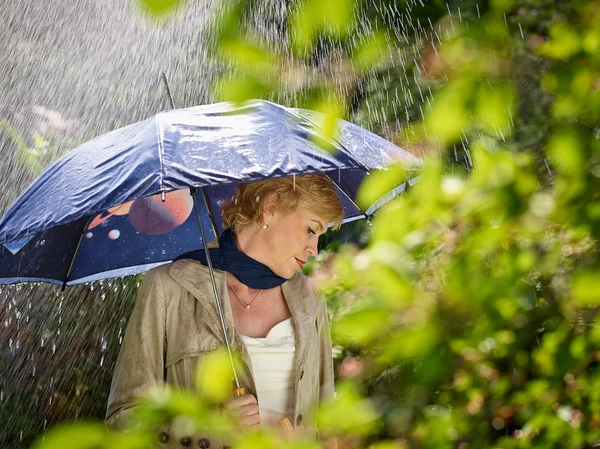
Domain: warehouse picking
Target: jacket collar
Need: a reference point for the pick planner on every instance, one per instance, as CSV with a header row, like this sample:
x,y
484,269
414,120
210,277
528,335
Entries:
x,y
195,278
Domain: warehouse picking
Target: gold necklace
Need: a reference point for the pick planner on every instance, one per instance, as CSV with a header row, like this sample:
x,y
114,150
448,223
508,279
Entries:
x,y
247,306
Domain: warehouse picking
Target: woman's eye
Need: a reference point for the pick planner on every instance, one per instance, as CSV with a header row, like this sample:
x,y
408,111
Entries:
x,y
310,231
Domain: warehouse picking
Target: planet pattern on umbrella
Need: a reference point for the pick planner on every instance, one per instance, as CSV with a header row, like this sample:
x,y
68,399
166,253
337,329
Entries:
x,y
121,209
149,215
152,216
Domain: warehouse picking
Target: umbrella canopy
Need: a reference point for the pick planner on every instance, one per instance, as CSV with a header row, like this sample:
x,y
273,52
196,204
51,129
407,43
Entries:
x,y
120,204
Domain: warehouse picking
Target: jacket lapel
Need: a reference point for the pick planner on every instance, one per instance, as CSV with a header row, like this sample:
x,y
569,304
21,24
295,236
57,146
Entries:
x,y
195,278
303,308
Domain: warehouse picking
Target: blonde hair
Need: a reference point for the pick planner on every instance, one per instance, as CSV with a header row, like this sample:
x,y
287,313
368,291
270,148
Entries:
x,y
315,192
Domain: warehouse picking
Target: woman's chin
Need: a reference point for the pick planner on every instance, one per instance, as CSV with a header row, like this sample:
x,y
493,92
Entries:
x,y
289,273
286,273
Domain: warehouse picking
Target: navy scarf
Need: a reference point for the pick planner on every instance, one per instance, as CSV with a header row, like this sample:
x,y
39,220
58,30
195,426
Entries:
x,y
228,257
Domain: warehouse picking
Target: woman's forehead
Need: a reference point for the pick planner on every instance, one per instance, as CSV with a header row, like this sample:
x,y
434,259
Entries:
x,y
312,217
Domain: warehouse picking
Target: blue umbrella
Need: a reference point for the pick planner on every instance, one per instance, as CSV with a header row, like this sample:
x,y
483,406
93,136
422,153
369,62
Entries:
x,y
120,204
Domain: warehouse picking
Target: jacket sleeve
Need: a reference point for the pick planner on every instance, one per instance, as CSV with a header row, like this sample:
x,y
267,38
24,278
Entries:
x,y
140,364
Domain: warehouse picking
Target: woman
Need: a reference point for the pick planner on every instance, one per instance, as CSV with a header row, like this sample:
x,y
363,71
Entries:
x,y
273,317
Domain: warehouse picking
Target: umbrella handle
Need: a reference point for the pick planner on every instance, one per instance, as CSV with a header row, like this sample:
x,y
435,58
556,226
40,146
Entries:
x,y
287,429
284,423
237,392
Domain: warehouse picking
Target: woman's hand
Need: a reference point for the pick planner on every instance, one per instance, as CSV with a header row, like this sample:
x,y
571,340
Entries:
x,y
245,408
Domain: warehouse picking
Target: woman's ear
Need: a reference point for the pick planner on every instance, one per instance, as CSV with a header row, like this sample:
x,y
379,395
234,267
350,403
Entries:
x,y
269,207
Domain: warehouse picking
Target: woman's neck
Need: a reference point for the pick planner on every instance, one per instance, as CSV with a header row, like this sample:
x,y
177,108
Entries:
x,y
240,288
251,242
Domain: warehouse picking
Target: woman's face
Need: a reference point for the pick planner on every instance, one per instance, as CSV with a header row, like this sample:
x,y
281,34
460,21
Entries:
x,y
291,239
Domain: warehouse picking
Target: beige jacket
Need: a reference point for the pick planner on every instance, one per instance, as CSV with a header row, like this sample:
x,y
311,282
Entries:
x,y
175,322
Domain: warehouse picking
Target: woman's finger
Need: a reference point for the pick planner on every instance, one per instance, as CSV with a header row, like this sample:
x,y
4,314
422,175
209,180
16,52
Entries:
x,y
241,401
248,410
250,421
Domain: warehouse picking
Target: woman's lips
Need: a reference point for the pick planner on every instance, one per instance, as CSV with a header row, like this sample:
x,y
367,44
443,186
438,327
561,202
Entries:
x,y
300,262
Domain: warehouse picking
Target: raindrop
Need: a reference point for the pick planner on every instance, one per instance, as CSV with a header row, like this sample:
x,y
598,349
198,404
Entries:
x,y
53,348
102,361
548,167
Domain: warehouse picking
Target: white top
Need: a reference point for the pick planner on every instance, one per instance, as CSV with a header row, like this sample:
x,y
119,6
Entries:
x,y
272,360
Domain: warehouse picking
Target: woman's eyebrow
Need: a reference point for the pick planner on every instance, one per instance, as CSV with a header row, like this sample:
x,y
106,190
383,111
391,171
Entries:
x,y
319,223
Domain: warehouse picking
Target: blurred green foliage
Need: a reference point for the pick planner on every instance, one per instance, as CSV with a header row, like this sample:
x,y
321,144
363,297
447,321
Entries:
x,y
469,319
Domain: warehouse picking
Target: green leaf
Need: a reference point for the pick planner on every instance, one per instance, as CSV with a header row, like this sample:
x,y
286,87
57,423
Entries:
x,y
238,88
494,106
369,54
449,116
160,8
331,109
214,376
348,413
564,42
248,56
413,343
80,435
227,21
380,182
586,288
312,17
360,326
566,152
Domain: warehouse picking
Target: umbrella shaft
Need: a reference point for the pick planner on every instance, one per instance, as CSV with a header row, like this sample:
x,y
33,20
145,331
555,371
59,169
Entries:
x,y
214,284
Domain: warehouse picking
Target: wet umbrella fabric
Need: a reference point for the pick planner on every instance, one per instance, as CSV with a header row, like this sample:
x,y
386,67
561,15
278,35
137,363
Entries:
x,y
120,204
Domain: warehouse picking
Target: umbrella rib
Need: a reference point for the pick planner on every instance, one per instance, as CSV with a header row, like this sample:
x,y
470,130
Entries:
x,y
161,154
75,253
